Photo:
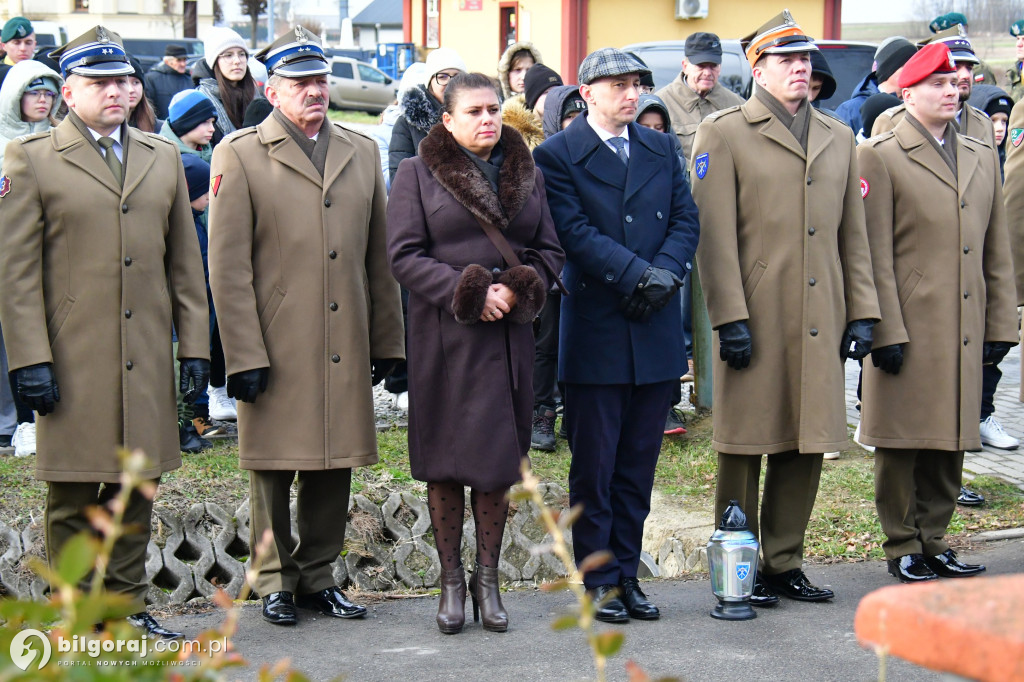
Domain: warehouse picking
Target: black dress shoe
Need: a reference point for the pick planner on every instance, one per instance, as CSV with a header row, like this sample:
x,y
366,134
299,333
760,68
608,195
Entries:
x,y
151,627
911,568
331,602
946,565
969,498
279,609
635,601
612,610
795,585
762,596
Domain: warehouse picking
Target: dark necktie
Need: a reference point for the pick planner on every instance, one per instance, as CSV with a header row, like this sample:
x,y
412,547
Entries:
x,y
620,148
113,163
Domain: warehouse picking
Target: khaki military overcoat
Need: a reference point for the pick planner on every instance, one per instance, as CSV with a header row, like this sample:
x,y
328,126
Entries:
x,y
782,246
973,123
687,109
1013,197
91,277
301,284
944,276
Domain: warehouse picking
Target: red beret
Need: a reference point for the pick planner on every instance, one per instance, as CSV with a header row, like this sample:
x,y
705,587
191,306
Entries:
x,y
932,58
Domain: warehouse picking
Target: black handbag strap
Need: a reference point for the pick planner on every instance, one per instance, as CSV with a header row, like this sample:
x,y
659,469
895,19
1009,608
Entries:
x,y
509,254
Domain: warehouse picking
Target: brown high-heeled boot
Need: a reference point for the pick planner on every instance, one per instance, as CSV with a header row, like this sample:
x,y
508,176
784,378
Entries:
x,y
483,587
451,610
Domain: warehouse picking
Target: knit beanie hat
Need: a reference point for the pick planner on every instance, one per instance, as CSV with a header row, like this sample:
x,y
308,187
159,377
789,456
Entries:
x,y
257,112
138,71
219,40
43,83
999,105
537,81
890,58
188,109
197,175
573,103
441,59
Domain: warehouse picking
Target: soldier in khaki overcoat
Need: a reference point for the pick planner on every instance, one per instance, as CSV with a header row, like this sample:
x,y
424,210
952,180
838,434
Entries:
x,y
943,271
786,273
1013,197
99,256
309,311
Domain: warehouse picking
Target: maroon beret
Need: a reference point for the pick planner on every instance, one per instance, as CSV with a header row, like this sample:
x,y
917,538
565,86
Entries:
x,y
932,58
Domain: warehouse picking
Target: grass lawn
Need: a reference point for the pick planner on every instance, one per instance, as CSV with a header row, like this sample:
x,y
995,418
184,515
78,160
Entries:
x,y
844,526
360,117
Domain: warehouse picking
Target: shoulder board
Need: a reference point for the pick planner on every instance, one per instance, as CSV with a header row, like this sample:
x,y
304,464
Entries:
x,y
874,141
153,137
714,115
239,134
32,137
976,140
831,114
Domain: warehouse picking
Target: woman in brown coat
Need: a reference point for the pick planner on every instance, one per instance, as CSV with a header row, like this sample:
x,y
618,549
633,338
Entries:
x,y
470,335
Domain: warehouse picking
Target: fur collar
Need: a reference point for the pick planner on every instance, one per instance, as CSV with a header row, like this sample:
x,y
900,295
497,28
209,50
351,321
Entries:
x,y
514,114
420,109
457,173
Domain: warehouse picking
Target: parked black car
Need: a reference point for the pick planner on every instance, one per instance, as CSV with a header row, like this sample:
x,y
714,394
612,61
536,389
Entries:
x,y
849,61
150,51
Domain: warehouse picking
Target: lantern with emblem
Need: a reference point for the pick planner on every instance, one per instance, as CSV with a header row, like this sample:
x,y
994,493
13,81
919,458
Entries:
x,y
732,558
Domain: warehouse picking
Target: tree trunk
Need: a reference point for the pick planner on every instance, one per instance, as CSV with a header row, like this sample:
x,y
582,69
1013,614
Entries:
x,y
255,28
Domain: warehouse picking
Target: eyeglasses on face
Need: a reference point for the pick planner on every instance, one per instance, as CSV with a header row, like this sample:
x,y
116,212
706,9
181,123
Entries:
x,y
234,55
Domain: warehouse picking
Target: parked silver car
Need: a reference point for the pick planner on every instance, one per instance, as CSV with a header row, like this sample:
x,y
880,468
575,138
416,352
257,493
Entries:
x,y
355,85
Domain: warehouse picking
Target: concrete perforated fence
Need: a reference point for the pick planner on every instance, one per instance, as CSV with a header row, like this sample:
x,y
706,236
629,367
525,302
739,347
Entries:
x,y
388,546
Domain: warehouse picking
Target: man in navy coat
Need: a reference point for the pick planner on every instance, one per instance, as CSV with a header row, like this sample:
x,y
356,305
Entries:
x,y
629,228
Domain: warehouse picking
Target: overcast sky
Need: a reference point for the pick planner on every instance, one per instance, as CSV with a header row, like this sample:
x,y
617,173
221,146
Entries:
x,y
865,11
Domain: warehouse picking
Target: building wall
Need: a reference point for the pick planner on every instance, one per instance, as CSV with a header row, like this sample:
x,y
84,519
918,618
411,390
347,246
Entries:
x,y
130,18
612,23
475,33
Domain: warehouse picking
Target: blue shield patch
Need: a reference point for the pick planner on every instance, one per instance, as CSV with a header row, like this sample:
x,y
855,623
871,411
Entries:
x,y
743,570
701,164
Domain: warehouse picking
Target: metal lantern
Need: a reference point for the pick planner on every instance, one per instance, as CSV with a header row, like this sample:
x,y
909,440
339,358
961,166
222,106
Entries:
x,y
732,558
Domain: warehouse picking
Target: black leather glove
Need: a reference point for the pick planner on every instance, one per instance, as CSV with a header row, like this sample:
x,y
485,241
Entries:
x,y
37,387
735,344
856,343
888,358
636,308
658,286
382,369
193,378
245,386
994,351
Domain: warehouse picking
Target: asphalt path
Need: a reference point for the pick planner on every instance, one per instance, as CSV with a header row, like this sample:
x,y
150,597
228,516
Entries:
x,y
398,640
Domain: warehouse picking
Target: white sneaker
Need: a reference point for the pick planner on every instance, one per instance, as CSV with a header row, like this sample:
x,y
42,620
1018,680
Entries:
x,y
401,400
831,455
222,407
24,440
856,439
991,434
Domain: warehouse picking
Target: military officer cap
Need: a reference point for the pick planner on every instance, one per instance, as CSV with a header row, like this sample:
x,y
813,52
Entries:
x,y
944,22
955,38
97,53
16,27
607,62
779,35
932,58
296,54
1017,28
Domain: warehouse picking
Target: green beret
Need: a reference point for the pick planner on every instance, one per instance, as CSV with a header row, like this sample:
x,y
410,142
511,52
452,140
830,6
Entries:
x,y
16,27
1017,28
947,21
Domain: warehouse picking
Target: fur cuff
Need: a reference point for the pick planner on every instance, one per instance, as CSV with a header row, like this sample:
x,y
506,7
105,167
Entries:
x,y
529,289
471,294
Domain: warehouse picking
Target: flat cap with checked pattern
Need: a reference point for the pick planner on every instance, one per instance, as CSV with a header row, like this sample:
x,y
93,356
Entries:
x,y
606,62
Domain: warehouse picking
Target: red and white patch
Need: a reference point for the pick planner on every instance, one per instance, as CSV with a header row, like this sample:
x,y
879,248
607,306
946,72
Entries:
x,y
215,184
5,186
864,188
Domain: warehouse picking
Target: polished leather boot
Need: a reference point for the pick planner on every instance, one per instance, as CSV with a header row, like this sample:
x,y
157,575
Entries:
x,y
795,585
911,568
331,602
148,624
947,565
483,587
636,602
279,608
451,610
762,595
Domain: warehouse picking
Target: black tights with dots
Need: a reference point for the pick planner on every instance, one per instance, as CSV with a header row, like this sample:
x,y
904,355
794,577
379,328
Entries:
x,y
447,507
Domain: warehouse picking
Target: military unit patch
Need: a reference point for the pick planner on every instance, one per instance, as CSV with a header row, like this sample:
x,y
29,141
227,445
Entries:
x,y
701,164
215,184
5,186
1016,135
864,188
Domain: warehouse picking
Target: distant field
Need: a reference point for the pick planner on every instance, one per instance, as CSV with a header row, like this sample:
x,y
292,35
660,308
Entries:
x,y
997,50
